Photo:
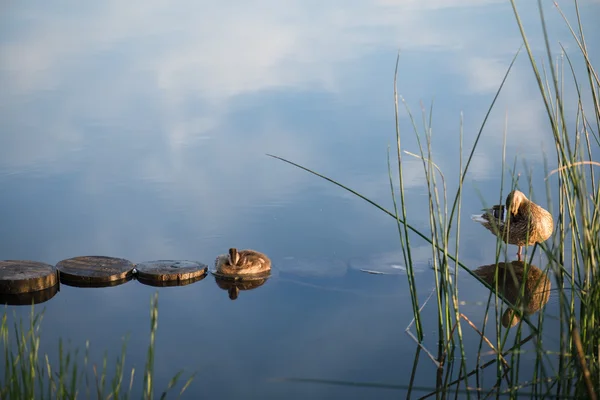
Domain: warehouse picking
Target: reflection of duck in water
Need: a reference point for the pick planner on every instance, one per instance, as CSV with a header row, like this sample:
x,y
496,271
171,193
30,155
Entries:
x,y
510,280
243,262
233,287
526,223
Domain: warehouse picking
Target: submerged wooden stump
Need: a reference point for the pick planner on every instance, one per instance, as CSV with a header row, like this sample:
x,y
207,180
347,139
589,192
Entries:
x,y
94,271
27,299
24,276
170,271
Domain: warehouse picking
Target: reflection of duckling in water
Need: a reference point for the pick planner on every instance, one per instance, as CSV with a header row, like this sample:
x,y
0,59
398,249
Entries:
x,y
233,287
233,292
510,279
526,224
243,262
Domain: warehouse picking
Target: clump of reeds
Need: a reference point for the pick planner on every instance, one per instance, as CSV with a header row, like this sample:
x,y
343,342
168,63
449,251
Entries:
x,y
572,256
576,250
29,376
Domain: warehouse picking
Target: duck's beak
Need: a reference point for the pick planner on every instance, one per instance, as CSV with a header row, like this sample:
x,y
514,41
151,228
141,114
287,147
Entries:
x,y
479,218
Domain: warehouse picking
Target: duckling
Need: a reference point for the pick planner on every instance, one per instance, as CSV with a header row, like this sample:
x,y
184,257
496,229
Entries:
x,y
243,262
526,222
510,279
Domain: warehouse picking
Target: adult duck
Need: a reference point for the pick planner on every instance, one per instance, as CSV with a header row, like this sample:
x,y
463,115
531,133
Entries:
x,y
526,223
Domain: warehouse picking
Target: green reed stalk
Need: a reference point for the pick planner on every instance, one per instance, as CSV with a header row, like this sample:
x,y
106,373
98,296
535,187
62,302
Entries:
x,y
403,233
149,369
455,303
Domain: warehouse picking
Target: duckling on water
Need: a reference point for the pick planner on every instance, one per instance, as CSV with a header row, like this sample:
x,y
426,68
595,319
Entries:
x,y
526,222
242,262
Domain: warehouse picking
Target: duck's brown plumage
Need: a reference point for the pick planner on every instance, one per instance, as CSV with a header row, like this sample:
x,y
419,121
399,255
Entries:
x,y
243,262
511,277
526,223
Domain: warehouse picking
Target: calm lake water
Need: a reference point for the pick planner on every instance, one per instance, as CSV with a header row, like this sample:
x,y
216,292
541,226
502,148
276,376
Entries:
x,y
140,130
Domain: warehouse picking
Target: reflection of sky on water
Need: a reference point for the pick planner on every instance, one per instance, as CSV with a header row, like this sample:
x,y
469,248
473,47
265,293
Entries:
x,y
139,131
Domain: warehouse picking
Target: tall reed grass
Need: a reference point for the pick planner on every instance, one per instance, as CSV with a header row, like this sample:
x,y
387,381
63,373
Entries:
x,y
573,369
29,376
